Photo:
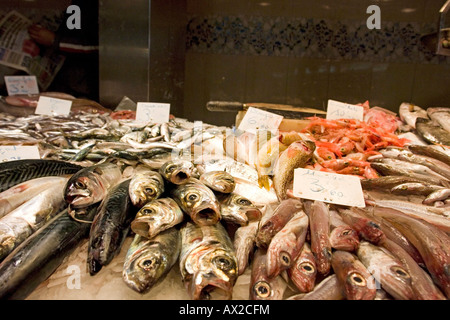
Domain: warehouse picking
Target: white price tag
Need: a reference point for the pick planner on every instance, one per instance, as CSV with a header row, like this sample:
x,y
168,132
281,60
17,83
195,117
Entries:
x,y
11,153
257,119
328,187
23,85
341,110
53,106
152,112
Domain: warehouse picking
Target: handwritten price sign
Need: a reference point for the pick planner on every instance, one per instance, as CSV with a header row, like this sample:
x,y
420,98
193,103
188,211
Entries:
x,y
328,187
52,106
23,85
340,110
257,119
11,153
150,112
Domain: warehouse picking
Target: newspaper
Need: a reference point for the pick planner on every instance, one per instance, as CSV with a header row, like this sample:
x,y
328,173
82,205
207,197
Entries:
x,y
18,50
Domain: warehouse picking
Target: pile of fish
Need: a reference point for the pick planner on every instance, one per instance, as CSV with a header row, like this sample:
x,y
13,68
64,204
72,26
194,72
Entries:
x,y
215,202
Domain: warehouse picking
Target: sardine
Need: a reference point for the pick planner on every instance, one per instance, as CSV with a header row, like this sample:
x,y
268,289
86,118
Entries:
x,y
238,209
145,185
156,216
439,152
431,132
148,261
18,171
303,271
281,215
177,171
207,261
244,242
262,287
197,201
432,243
220,181
295,156
319,226
409,112
110,227
286,245
91,184
23,221
441,116
437,195
356,281
327,289
387,270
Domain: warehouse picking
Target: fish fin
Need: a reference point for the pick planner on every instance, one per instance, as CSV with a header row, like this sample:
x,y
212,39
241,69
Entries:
x,y
263,181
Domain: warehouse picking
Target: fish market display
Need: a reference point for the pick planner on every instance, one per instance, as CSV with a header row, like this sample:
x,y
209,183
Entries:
x,y
208,212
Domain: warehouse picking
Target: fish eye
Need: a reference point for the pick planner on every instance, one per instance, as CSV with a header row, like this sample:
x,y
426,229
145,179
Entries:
x,y
306,267
147,211
192,197
223,263
400,272
79,185
148,263
262,289
150,191
244,202
170,168
346,232
285,258
357,279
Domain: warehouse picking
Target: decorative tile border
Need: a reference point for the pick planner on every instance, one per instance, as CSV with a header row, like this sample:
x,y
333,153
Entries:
x,y
314,38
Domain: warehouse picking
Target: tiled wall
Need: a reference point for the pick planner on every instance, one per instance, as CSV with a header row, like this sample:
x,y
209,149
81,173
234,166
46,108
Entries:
x,y
306,52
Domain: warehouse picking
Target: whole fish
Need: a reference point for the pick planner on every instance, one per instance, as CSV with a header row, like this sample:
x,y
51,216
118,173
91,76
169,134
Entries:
x,y
156,216
431,132
286,245
145,186
437,195
20,223
432,243
148,261
327,289
295,156
238,209
220,181
387,270
177,171
110,227
409,112
207,261
303,271
439,152
31,263
13,197
258,196
416,188
18,171
388,182
441,116
357,282
263,287
422,284
244,242
342,236
281,215
197,201
367,228
319,226
91,184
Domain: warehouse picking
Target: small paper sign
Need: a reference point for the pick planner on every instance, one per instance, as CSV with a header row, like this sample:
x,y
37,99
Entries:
x,y
341,110
11,153
53,106
21,85
257,119
328,187
152,112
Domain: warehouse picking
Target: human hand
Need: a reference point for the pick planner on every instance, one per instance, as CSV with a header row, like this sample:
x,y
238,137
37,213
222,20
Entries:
x,y
41,35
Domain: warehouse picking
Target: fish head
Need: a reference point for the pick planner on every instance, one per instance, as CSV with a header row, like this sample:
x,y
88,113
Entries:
x,y
220,181
344,238
215,277
303,273
142,271
239,209
359,287
84,190
143,190
177,171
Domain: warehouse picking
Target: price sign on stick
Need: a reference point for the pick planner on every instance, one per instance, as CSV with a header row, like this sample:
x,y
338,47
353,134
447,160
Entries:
x,y
21,85
257,119
328,187
53,106
151,112
11,153
340,110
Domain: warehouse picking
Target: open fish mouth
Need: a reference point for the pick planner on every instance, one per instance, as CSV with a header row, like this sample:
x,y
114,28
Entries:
x,y
210,289
205,216
143,226
179,176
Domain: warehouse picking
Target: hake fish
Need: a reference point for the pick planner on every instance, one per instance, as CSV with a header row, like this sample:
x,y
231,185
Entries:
x,y
91,184
23,221
156,216
145,186
110,227
207,261
197,201
148,261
